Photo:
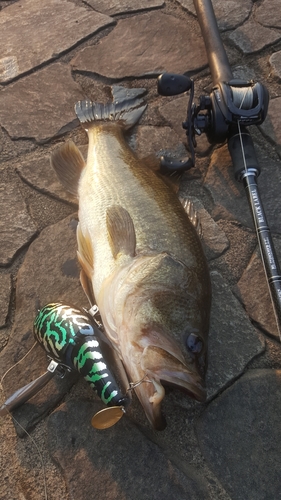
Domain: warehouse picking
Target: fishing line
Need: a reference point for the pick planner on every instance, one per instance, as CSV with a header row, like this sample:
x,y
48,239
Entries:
x,y
23,429
39,453
13,366
132,385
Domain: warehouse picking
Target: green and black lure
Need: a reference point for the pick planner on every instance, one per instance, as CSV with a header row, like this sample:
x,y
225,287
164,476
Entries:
x,y
71,337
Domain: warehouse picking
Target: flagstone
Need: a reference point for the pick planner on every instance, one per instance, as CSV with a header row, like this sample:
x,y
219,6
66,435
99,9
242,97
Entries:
x,y
233,341
275,63
229,13
115,7
252,37
5,297
33,32
268,13
144,45
40,105
49,273
254,292
271,127
239,435
16,226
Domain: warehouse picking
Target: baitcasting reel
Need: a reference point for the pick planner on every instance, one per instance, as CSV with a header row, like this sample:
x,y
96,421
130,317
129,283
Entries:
x,y
229,103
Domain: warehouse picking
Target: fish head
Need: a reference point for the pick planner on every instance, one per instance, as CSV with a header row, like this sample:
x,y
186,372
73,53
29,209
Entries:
x,y
161,325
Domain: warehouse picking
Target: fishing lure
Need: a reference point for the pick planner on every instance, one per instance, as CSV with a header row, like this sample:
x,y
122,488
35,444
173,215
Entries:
x,y
74,341
72,338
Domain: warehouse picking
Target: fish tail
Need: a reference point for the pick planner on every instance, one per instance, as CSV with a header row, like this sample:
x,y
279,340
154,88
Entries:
x,y
126,108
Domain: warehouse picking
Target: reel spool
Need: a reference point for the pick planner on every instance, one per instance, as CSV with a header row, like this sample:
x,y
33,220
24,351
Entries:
x,y
71,337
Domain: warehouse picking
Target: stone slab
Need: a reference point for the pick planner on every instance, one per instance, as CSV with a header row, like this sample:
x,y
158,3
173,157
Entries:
x,y
233,341
39,25
213,238
115,7
5,297
175,112
158,141
275,63
229,195
39,174
239,435
49,273
16,226
41,105
252,37
144,45
119,462
254,293
268,13
229,13
271,127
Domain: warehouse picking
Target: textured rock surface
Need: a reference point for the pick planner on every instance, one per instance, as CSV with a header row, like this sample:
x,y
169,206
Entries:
x,y
158,141
229,13
49,96
49,272
16,226
5,296
174,112
252,37
97,456
40,26
253,289
233,341
275,63
239,435
268,13
226,191
272,125
146,49
114,7
238,457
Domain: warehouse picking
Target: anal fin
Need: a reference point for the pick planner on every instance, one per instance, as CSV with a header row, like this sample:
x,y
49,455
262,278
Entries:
x,y
87,287
85,252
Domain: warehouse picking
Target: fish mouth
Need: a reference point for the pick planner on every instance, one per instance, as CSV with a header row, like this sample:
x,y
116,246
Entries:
x,y
169,369
160,366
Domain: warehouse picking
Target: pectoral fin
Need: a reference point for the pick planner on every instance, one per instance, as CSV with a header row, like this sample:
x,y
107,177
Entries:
x,y
121,231
68,164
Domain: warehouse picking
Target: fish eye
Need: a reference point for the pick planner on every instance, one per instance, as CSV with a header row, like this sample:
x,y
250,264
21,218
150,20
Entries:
x,y
194,343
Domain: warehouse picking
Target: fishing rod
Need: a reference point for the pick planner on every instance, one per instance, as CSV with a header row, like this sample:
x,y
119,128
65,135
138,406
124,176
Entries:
x,y
224,115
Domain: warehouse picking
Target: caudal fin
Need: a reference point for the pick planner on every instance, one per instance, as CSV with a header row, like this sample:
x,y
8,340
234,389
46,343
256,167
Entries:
x,y
126,108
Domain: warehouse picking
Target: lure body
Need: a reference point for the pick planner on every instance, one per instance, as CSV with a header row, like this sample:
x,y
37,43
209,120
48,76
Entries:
x,y
69,335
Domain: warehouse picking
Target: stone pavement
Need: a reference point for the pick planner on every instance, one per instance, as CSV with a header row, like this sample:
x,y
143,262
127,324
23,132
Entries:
x,y
53,54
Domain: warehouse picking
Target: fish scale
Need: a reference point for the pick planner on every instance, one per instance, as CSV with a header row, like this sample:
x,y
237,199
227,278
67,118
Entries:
x,y
127,182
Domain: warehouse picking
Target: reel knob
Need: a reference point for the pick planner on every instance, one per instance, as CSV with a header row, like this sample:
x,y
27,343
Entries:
x,y
172,84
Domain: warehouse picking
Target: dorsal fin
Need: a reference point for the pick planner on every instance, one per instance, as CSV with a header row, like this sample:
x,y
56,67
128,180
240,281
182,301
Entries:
x,y
192,214
121,231
68,163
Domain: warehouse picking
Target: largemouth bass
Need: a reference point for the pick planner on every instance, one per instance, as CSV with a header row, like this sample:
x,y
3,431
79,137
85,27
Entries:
x,y
141,255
